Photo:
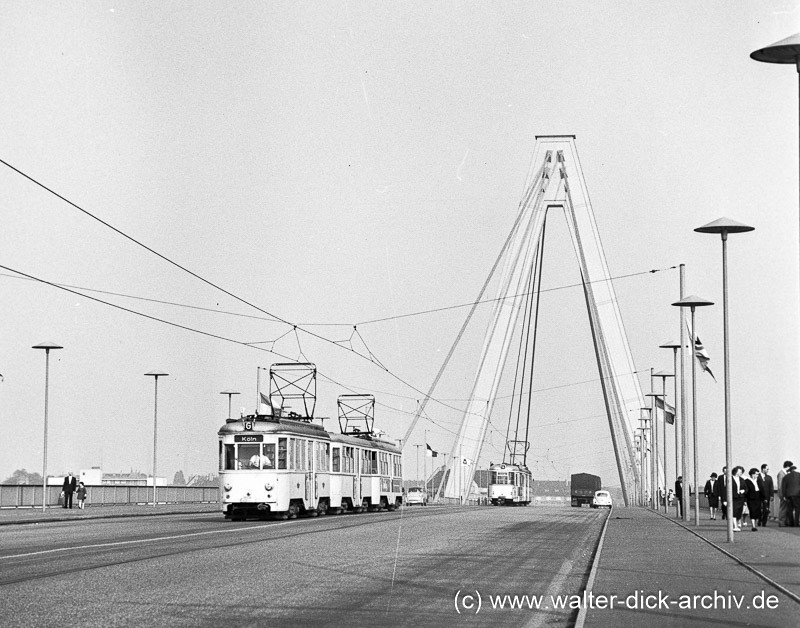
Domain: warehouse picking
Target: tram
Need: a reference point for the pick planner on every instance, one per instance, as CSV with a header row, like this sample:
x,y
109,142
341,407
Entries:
x,y
285,466
510,485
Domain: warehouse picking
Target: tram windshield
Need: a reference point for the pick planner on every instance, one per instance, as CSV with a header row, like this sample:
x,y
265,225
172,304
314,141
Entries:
x,y
498,477
248,456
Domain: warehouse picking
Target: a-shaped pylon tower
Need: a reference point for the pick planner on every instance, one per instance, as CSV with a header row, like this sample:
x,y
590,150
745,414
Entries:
x,y
555,179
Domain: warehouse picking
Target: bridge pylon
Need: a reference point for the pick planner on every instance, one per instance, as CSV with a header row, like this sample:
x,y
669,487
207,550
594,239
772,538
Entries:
x,y
555,180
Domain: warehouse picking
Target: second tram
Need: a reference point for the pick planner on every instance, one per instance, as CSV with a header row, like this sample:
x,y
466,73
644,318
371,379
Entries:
x,y
510,485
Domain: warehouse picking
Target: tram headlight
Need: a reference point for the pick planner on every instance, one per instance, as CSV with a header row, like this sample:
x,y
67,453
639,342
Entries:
x,y
268,486
227,487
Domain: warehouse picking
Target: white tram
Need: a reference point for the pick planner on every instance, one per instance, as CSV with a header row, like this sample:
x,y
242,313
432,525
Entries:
x,y
284,466
510,485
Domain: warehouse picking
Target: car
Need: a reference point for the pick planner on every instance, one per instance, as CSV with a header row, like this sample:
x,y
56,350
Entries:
x,y
601,499
417,495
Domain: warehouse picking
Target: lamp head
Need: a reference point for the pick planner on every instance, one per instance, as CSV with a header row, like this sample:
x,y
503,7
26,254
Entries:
x,y
692,301
783,51
724,225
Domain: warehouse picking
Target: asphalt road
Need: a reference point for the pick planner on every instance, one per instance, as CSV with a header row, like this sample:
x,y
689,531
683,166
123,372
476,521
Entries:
x,y
429,566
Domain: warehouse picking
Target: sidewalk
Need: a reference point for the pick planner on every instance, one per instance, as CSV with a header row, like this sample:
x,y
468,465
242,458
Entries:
x,y
649,560
10,516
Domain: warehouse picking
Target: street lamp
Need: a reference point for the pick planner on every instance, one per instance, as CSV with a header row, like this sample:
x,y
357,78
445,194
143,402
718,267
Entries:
x,y
680,440
657,446
230,394
649,452
664,375
47,346
724,226
693,302
646,453
155,375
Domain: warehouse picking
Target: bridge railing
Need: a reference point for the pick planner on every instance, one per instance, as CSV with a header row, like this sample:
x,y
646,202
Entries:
x,y
27,496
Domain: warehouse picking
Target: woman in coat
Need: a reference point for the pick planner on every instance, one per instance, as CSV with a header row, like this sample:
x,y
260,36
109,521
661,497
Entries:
x,y
753,495
739,497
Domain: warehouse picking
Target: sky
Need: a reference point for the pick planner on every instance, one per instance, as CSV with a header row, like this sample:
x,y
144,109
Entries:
x,y
332,182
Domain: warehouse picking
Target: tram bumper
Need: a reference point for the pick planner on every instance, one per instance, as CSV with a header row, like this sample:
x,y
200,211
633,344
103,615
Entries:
x,y
264,507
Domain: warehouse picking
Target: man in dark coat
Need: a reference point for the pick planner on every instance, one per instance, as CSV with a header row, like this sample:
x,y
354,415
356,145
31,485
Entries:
x,y
70,484
679,493
769,491
721,488
784,518
790,487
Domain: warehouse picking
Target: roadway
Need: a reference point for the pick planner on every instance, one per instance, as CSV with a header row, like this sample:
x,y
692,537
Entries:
x,y
422,566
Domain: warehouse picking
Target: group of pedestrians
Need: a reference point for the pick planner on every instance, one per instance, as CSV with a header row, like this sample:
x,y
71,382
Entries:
x,y
70,486
754,492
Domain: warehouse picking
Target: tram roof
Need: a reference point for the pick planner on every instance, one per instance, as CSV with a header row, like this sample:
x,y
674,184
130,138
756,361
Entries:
x,y
272,425
503,466
303,428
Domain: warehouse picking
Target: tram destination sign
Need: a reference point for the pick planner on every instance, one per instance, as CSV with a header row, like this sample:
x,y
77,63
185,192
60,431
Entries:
x,y
248,438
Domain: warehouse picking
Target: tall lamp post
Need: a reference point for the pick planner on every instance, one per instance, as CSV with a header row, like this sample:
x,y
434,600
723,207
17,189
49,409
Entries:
x,y
648,453
664,375
647,484
155,375
693,302
230,394
724,226
657,445
47,346
680,445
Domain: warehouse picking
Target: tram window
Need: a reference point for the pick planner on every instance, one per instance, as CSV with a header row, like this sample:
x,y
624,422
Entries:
x,y
292,454
324,457
348,460
311,456
336,462
268,456
301,455
384,463
230,457
281,453
374,460
510,478
249,457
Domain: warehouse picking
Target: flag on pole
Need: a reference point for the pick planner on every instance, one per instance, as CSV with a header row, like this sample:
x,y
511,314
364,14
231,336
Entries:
x,y
431,452
669,415
700,353
265,401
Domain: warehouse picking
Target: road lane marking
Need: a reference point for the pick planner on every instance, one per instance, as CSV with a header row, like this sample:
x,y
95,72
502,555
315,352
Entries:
x,y
137,541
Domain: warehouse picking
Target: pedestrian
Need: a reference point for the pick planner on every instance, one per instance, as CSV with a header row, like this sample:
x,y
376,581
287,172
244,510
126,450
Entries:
x,y
783,506
679,494
711,495
81,495
754,491
738,492
722,492
769,491
790,487
70,484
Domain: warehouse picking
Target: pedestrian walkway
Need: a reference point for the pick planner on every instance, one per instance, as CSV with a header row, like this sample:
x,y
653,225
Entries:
x,y
665,573
10,516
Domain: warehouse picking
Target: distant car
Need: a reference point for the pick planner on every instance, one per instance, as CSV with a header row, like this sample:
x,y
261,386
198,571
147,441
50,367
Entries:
x,y
417,495
602,499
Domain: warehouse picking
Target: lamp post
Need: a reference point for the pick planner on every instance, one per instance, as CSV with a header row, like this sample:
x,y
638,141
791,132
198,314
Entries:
x,y
230,394
664,375
680,445
47,346
724,226
155,375
693,302
657,445
649,453
646,455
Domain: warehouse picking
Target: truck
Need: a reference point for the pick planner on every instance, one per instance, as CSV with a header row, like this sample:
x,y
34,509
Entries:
x,y
582,488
